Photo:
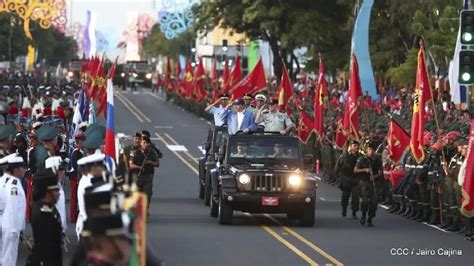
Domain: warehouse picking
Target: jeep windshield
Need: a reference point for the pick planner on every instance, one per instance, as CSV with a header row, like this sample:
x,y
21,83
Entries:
x,y
263,150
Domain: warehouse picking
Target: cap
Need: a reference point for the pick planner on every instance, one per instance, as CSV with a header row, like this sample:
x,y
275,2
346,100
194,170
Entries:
x,y
7,131
55,163
354,141
47,132
261,97
94,159
248,96
15,160
273,101
224,96
239,102
46,179
94,139
97,200
107,225
145,133
4,160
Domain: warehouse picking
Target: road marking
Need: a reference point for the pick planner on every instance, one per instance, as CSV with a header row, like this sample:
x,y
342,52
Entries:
x,y
123,98
435,227
321,198
154,95
164,127
176,148
266,228
176,143
384,207
178,155
129,108
305,241
285,242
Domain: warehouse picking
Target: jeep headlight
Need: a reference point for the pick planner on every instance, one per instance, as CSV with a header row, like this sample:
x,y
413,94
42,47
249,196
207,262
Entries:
x,y
244,179
295,180
148,75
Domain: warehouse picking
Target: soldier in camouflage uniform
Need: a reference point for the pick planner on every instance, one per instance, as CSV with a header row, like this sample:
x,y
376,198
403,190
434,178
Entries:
x,y
436,177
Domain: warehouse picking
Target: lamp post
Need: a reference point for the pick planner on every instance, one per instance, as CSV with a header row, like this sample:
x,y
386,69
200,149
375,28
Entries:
x,y
43,11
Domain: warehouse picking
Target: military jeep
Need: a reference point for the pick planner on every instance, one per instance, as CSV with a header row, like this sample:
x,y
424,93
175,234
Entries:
x,y
263,173
208,162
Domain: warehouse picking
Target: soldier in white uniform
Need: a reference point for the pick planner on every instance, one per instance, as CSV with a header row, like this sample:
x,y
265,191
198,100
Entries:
x,y
13,220
248,98
260,105
274,120
92,166
57,164
4,179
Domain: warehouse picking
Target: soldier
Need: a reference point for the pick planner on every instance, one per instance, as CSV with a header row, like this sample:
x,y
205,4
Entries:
x,y
450,152
47,136
4,179
123,167
248,98
13,220
58,166
146,133
468,229
217,112
349,181
453,172
46,221
274,120
74,173
143,162
368,168
6,144
436,177
93,166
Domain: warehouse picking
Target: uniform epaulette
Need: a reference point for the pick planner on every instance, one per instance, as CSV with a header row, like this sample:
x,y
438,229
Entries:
x,y
46,209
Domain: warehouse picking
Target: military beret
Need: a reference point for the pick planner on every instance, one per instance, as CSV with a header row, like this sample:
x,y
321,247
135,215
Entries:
x,y
7,131
137,135
145,133
47,132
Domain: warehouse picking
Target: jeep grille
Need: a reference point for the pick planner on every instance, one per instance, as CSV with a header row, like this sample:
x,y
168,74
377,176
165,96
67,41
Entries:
x,y
268,183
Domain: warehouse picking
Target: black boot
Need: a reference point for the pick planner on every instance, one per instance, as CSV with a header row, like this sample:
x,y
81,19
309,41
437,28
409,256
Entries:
x,y
448,221
435,220
394,208
344,211
414,211
354,215
369,222
403,208
419,214
362,219
455,226
407,211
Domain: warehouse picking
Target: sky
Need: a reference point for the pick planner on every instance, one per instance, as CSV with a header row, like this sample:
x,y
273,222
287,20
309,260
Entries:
x,y
112,15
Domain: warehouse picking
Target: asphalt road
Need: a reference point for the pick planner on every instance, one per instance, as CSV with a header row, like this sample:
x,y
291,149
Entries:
x,y
182,232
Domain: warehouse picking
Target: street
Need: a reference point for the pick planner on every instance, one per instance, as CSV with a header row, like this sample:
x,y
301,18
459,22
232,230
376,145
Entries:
x,y
182,232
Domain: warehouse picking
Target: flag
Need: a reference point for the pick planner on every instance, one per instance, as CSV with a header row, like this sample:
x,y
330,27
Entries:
x,y
225,73
305,127
235,75
254,82
422,96
188,80
351,118
102,95
109,149
286,91
398,141
341,138
215,81
168,81
467,201
320,95
199,93
77,118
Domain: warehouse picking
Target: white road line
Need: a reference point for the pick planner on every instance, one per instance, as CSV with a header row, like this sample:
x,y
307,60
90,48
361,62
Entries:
x,y
176,148
435,227
166,127
384,207
321,198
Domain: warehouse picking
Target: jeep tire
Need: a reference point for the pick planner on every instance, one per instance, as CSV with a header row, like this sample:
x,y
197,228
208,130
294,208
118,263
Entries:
x,y
207,189
225,212
213,207
307,213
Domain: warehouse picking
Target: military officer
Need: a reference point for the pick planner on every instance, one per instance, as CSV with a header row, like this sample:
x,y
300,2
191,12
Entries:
x,y
369,168
93,166
218,111
4,179
143,162
344,169
248,98
74,173
6,140
58,166
13,220
46,221
47,136
273,120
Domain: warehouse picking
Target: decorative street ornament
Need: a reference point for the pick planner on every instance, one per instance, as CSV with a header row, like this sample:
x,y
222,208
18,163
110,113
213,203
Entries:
x,y
176,17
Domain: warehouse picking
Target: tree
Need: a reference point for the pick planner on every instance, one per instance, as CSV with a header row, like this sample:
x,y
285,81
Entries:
x,y
12,37
285,25
156,44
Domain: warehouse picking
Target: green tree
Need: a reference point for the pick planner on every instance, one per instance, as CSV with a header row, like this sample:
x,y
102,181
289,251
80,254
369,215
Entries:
x,y
12,38
156,44
285,25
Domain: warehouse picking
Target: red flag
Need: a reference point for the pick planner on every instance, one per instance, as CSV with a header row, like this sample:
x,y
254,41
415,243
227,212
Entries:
x,y
225,74
215,81
254,82
235,75
305,127
102,94
320,95
188,80
351,118
467,201
199,93
341,138
168,81
398,141
422,96
286,91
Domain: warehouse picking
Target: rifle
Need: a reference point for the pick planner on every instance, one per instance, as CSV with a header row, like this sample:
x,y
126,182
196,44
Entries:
x,y
142,167
28,244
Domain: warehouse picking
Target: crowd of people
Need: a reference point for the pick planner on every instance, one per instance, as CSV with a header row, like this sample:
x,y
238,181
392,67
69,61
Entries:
x,y
41,152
